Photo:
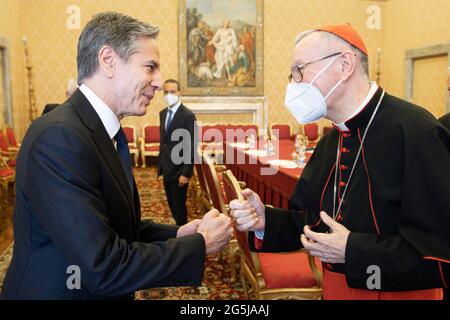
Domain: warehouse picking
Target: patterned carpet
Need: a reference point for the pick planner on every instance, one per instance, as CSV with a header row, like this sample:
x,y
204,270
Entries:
x,y
216,282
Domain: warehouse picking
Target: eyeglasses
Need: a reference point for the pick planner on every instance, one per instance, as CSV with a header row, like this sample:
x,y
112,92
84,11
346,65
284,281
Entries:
x,y
297,70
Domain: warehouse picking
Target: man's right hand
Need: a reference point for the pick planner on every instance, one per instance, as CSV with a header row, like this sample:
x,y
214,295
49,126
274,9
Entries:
x,y
216,229
249,214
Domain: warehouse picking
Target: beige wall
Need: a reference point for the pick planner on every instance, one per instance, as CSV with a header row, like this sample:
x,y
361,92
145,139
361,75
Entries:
x,y
406,24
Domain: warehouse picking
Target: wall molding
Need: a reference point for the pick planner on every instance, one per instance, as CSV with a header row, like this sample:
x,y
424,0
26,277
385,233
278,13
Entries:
x,y
256,106
6,76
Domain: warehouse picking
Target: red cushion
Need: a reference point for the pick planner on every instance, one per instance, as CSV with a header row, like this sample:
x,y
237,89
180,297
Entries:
x,y
284,131
6,172
129,133
152,148
11,137
286,270
311,131
151,134
3,142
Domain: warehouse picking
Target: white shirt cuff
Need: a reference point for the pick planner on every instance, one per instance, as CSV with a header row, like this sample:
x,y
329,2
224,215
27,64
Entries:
x,y
259,234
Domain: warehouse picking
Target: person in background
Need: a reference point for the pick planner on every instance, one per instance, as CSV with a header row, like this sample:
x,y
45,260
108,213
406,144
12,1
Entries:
x,y
72,86
176,167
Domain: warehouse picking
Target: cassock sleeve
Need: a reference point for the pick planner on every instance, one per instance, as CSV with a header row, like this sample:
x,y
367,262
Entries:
x,y
418,256
151,231
284,227
283,230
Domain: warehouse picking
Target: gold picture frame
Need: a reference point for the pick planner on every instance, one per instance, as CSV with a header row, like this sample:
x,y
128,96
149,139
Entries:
x,y
221,47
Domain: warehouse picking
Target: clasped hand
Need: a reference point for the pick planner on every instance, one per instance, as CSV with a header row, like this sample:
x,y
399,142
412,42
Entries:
x,y
215,228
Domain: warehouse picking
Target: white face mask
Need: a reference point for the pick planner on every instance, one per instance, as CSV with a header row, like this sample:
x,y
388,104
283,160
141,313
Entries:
x,y
171,99
305,101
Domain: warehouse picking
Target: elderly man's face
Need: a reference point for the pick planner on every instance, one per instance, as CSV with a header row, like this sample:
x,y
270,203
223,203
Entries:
x,y
137,79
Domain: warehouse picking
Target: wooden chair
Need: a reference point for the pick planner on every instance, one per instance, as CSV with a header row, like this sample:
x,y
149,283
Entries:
x,y
213,179
291,275
203,200
7,152
10,135
149,142
325,130
284,131
130,133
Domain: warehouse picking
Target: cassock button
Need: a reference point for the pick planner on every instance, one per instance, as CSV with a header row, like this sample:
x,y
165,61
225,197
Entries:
x,y
342,184
346,135
344,167
344,150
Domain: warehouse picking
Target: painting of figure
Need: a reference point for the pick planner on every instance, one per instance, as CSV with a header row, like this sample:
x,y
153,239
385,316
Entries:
x,y
221,47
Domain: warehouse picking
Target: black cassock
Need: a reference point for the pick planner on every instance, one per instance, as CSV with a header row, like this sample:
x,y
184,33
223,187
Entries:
x,y
397,204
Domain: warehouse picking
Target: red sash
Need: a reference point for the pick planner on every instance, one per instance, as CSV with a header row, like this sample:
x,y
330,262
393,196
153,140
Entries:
x,y
335,288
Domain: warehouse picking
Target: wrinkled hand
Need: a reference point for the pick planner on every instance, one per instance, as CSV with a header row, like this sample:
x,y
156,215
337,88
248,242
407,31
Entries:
x,y
216,229
328,247
188,228
248,214
182,181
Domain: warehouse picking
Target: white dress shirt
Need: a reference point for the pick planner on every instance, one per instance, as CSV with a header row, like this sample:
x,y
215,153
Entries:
x,y
174,110
107,116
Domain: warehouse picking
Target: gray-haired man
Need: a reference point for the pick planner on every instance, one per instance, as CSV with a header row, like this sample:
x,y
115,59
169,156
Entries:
x,y
78,231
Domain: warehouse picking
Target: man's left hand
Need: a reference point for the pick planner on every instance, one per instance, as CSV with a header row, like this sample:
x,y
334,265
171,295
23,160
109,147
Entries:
x,y
182,181
188,228
328,247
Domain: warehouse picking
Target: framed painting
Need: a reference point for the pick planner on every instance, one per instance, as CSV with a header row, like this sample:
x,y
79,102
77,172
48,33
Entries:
x,y
221,47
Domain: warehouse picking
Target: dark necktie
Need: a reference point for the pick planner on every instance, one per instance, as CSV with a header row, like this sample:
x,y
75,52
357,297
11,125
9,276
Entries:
x,y
124,154
169,120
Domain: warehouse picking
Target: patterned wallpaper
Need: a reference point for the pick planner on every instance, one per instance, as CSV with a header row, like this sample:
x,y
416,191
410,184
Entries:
x,y
411,24
53,45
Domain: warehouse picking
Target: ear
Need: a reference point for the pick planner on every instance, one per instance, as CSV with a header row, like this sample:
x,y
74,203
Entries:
x,y
107,58
348,65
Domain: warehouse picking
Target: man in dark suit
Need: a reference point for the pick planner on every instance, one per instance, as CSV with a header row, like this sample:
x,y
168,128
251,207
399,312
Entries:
x,y
86,240
177,147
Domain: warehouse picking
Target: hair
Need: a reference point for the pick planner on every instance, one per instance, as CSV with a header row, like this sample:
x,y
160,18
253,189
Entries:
x,y
173,81
119,31
329,41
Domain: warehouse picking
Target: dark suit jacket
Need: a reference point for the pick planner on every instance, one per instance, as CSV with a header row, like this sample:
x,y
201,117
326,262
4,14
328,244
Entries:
x,y
445,120
183,145
49,107
74,206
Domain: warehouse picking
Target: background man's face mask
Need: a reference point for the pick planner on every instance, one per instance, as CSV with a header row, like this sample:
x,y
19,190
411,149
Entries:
x,y
170,99
305,101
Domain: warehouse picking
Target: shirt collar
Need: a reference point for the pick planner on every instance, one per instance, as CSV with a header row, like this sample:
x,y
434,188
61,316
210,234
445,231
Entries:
x,y
175,107
106,115
373,89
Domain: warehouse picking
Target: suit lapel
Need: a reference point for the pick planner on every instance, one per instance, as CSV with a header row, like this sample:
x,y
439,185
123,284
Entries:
x,y
104,144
